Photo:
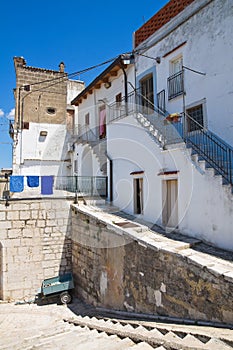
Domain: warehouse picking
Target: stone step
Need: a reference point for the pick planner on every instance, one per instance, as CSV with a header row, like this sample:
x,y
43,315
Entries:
x,y
172,337
216,344
192,342
142,346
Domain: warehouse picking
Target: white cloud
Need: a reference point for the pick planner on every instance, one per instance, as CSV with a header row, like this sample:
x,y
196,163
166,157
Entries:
x,y
1,113
11,115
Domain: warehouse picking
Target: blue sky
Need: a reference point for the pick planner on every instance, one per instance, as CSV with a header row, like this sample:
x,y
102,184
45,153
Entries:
x,y
46,32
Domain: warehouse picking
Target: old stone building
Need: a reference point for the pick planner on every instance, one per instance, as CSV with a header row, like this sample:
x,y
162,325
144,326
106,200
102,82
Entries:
x,y
43,119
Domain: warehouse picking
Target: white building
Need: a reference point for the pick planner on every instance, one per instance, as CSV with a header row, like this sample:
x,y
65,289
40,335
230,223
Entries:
x,y
169,142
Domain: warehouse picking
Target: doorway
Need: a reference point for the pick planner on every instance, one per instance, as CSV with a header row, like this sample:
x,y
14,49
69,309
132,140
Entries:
x,y
170,203
138,196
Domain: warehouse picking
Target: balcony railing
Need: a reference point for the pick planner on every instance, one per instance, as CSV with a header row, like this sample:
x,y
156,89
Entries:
x,y
175,85
91,186
161,100
123,108
216,152
85,133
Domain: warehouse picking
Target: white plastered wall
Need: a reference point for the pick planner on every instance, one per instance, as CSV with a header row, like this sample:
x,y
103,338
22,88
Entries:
x,y
204,205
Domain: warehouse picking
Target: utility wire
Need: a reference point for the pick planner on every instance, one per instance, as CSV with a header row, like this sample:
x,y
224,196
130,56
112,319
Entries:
x,y
72,75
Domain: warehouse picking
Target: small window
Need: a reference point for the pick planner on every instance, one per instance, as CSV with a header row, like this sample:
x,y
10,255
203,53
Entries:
x,y
196,120
26,125
51,110
138,196
87,119
118,99
176,65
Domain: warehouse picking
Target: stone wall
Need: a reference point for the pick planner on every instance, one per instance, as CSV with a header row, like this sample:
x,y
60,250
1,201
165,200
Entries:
x,y
48,88
34,244
116,270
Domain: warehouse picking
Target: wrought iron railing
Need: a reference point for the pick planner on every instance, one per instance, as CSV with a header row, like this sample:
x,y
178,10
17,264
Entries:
x,y
91,186
216,152
175,85
161,100
126,106
87,134
140,105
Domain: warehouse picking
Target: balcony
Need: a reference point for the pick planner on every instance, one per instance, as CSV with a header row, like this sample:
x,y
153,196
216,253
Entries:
x,y
175,85
86,134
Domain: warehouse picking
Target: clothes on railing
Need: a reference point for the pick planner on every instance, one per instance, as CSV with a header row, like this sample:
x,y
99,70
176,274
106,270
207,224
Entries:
x,y
33,181
17,183
46,185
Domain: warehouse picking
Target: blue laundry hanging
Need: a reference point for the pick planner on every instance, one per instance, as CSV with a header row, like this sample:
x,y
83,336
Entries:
x,y
16,183
33,181
46,184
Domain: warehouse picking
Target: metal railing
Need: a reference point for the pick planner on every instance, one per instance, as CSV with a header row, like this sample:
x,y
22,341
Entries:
x,y
90,186
87,134
216,152
161,100
175,85
118,110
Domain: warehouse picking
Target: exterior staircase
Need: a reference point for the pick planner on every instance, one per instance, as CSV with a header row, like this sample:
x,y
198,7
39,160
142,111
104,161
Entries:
x,y
89,137
207,150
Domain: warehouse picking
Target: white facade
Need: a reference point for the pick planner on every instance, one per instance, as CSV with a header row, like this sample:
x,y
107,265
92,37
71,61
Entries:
x,y
43,148
201,36
169,186
204,206
86,161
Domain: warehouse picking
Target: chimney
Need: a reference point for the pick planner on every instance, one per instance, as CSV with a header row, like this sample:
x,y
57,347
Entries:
x,y
62,67
19,62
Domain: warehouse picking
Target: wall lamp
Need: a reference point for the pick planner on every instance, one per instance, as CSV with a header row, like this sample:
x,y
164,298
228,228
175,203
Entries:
x,y
107,84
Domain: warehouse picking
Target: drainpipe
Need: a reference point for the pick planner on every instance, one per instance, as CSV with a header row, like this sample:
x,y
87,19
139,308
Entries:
x,y
110,177
126,88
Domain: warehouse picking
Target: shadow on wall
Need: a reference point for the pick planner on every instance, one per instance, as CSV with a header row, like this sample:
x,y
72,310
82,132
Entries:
x,y
66,251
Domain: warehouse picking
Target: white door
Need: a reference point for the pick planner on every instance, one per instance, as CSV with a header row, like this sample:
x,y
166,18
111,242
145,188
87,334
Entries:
x,y
170,203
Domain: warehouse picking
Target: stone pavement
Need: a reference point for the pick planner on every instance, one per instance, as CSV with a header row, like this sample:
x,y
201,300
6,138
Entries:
x,y
32,327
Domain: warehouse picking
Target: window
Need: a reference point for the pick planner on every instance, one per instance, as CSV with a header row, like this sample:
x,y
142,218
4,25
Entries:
x,y
138,195
51,110
147,94
26,125
176,65
102,122
87,119
118,99
196,120
176,79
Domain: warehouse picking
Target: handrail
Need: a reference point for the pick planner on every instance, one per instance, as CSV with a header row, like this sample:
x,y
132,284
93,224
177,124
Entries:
x,y
85,133
216,152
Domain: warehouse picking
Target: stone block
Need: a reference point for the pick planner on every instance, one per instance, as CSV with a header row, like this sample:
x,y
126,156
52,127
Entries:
x,y
18,224
35,206
12,215
21,206
27,232
31,223
49,256
35,214
51,223
42,214
25,215
5,225
14,233
40,223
